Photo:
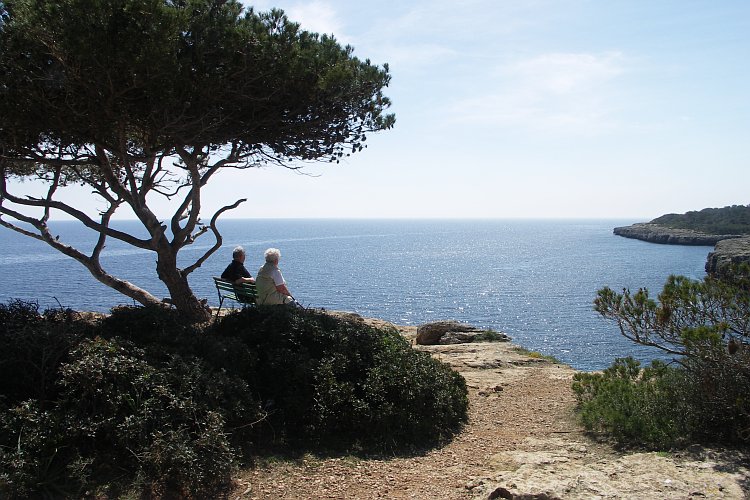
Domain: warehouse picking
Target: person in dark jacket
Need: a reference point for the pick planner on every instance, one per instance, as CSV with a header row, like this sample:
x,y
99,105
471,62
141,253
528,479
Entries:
x,y
236,271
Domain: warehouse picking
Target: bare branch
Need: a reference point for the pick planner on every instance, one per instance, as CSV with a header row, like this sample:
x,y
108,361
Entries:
x,y
47,204
106,216
82,217
192,201
147,177
51,192
15,228
219,240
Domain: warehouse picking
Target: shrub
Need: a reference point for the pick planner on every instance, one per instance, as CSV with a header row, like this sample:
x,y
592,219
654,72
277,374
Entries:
x,y
490,336
110,416
149,326
116,416
635,406
33,345
141,405
411,398
704,324
537,355
341,383
663,406
36,455
718,388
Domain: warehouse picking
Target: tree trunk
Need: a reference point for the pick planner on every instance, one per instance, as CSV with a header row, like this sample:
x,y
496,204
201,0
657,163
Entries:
x,y
190,307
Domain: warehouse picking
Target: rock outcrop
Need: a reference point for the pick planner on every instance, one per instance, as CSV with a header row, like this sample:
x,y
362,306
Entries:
x,y
726,252
656,233
452,332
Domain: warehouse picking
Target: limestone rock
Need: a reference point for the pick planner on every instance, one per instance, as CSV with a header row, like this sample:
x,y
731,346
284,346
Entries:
x,y
457,338
733,251
656,233
451,332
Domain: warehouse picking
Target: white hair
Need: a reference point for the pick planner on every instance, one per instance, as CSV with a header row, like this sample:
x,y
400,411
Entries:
x,y
272,255
238,251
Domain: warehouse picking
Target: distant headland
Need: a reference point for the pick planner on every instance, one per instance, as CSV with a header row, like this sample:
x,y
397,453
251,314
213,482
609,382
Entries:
x,y
704,227
727,228
658,233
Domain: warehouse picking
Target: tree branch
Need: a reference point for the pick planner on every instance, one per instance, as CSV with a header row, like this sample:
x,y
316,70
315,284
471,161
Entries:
x,y
47,204
219,240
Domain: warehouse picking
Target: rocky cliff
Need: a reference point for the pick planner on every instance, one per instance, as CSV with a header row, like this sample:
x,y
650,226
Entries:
x,y
656,233
731,251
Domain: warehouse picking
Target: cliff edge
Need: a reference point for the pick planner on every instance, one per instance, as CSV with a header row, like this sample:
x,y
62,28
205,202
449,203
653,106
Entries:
x,y
657,233
732,251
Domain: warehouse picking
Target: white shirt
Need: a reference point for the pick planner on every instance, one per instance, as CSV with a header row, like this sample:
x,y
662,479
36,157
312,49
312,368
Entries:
x,y
278,279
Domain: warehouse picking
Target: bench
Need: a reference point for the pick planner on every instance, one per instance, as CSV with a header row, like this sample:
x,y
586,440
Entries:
x,y
244,293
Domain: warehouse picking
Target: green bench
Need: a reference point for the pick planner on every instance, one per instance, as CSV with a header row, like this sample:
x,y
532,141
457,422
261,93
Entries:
x,y
244,293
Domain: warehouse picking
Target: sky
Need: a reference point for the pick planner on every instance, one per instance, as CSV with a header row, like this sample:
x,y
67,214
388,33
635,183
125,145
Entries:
x,y
529,109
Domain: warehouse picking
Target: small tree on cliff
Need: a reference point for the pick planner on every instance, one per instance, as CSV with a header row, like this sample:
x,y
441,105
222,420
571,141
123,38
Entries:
x,y
692,319
706,324
138,99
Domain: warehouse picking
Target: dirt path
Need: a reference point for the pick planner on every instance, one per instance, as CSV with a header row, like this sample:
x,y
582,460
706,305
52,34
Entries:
x,y
521,442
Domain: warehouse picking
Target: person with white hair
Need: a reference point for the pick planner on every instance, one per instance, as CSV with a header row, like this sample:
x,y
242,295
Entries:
x,y
270,284
236,272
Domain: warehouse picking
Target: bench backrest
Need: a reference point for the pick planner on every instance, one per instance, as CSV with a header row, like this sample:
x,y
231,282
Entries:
x,y
244,293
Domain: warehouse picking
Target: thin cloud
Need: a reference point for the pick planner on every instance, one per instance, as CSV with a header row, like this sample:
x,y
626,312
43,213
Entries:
x,y
317,16
410,56
557,90
423,33
565,74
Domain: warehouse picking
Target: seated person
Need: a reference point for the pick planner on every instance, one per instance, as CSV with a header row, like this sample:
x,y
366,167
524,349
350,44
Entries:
x,y
271,286
236,271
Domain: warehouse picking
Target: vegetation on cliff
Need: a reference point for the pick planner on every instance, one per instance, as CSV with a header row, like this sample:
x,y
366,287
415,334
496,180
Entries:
x,y
702,396
139,403
733,219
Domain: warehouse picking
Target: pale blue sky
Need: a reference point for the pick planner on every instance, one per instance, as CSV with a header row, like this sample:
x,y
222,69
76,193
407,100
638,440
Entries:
x,y
571,108
536,109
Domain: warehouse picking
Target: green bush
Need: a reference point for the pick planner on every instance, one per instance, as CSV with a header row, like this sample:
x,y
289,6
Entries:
x,y
139,404
636,406
340,383
664,406
718,388
411,397
36,455
117,418
85,412
33,345
157,330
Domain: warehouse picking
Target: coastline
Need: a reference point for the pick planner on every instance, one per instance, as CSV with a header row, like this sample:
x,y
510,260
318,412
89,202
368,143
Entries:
x,y
728,248
521,441
657,233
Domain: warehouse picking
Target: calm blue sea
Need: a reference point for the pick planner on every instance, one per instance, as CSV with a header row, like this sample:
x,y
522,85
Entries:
x,y
535,280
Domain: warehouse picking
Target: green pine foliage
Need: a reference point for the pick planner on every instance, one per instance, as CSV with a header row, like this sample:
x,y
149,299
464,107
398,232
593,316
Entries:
x,y
701,397
140,404
733,219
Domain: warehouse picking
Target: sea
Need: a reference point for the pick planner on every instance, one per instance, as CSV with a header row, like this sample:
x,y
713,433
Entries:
x,y
535,280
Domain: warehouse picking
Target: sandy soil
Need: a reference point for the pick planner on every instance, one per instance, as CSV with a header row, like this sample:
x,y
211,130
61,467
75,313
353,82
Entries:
x,y
521,441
